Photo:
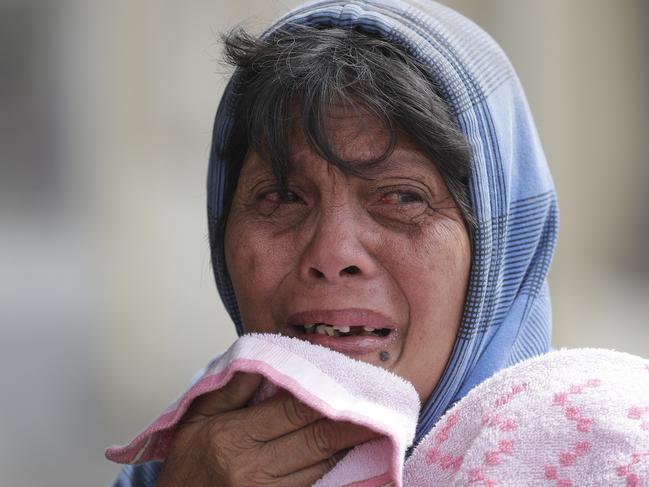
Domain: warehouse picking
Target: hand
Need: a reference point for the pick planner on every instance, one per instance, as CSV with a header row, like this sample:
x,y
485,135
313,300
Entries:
x,y
278,442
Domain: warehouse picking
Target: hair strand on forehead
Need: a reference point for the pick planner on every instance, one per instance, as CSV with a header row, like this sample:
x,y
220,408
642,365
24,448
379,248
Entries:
x,y
298,75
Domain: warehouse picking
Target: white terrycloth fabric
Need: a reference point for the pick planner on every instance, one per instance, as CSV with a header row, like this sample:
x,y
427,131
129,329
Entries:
x,y
339,387
567,418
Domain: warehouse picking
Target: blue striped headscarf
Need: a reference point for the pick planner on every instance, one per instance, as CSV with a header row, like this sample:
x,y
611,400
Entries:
x,y
507,309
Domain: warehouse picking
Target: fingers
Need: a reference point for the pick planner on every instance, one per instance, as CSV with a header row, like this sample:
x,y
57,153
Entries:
x,y
278,416
315,443
310,475
280,441
234,395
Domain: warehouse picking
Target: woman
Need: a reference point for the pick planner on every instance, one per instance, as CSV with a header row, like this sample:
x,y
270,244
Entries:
x,y
376,185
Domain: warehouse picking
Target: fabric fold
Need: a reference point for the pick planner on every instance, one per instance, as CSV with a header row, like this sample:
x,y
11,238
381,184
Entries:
x,y
337,386
566,418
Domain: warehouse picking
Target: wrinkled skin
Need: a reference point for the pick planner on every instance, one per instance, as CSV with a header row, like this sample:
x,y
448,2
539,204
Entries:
x,y
280,442
399,229
393,242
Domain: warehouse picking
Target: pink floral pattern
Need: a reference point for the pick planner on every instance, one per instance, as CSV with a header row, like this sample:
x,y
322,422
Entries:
x,y
568,418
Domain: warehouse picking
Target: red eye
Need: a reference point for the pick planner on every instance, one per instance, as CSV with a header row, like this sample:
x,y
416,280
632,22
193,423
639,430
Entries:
x,y
401,198
291,197
278,198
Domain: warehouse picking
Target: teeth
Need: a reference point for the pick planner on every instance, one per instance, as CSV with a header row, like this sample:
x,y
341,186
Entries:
x,y
336,331
329,330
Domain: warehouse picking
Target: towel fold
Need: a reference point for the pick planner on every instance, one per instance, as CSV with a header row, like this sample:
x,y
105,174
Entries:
x,y
567,418
337,386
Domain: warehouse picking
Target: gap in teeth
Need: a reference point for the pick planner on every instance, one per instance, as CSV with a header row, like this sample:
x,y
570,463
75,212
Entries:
x,y
342,330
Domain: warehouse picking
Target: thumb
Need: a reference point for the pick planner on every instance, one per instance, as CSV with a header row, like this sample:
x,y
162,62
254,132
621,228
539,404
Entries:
x,y
234,395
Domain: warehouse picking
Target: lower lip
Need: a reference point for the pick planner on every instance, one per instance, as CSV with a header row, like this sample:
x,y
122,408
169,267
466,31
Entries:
x,y
351,345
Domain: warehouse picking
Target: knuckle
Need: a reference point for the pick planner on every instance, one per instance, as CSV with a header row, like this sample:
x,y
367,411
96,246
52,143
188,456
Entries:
x,y
228,462
224,454
219,446
324,438
222,440
297,412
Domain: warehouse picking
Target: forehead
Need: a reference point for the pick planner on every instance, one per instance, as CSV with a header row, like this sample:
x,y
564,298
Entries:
x,y
356,136
359,143
363,152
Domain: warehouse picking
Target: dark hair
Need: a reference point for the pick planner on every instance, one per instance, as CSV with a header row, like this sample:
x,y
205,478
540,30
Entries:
x,y
304,71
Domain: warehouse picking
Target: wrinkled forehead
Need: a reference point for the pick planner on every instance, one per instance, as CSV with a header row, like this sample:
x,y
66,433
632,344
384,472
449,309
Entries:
x,y
353,132
405,158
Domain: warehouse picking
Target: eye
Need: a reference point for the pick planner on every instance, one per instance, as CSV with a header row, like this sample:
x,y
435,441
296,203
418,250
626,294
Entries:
x,y
278,204
399,204
401,198
282,198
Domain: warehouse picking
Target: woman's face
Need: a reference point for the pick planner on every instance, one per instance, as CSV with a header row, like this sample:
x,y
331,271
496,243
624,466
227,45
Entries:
x,y
374,267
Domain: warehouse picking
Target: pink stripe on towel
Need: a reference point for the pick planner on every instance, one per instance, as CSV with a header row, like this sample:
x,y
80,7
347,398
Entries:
x,y
339,387
567,418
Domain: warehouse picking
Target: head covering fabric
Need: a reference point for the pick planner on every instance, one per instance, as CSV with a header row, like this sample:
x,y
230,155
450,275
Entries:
x,y
507,314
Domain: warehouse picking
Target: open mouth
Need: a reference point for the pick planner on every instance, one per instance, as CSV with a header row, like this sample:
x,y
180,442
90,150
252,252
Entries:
x,y
340,331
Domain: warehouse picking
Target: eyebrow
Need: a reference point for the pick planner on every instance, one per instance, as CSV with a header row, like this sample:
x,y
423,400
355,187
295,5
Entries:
x,y
398,159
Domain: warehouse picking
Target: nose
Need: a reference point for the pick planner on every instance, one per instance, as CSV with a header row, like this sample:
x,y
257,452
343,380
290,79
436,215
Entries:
x,y
337,249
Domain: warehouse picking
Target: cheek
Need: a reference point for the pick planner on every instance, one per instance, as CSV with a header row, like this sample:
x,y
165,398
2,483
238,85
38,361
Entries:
x,y
433,277
433,264
445,270
436,295
242,255
257,263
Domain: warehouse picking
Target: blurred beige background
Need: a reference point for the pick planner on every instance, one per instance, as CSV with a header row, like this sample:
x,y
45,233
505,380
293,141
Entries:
x,y
107,303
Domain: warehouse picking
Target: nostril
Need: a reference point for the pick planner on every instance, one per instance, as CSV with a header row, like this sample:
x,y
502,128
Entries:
x,y
316,273
351,270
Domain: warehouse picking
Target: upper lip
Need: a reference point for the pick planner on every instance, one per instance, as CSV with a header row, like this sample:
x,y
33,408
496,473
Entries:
x,y
342,317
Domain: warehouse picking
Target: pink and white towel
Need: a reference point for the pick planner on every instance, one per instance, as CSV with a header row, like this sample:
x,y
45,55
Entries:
x,y
566,418
339,387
